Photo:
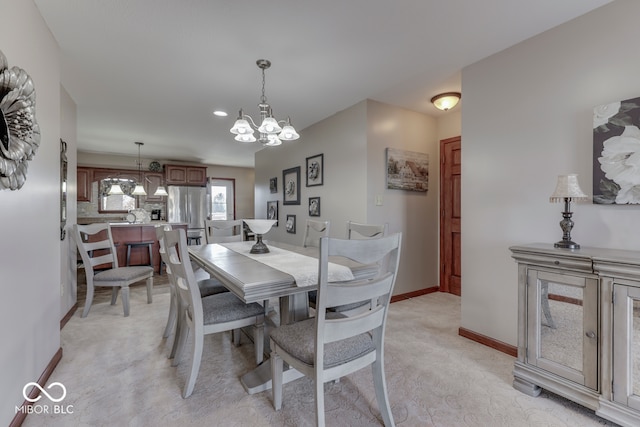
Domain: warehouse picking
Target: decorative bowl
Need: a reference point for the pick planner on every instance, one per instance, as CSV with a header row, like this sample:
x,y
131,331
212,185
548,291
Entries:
x,y
260,226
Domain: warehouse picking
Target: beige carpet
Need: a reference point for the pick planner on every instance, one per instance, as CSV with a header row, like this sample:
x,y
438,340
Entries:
x,y
116,373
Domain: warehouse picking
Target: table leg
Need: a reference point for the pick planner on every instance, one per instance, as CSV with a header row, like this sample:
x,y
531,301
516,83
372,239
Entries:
x,y
293,308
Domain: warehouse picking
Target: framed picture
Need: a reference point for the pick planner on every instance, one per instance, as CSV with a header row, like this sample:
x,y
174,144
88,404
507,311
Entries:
x,y
315,170
615,142
291,224
407,170
273,185
272,211
314,206
291,186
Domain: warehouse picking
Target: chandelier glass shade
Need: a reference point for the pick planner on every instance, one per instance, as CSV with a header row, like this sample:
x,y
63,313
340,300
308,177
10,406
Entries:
x,y
271,131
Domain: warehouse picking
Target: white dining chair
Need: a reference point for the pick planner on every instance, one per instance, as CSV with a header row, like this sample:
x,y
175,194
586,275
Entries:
x,y
358,230
95,244
208,315
209,286
313,231
333,345
223,231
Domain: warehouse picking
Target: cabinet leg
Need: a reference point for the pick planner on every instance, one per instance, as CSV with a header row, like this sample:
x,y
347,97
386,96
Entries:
x,y
526,387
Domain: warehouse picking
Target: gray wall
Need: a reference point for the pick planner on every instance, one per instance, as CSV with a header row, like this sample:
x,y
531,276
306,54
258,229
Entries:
x,y
29,220
353,143
527,118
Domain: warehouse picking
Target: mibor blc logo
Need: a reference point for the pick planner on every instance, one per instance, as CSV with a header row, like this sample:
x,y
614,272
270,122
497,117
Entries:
x,y
58,393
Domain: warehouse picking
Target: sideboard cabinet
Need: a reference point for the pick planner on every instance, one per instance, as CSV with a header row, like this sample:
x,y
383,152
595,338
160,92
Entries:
x,y
579,327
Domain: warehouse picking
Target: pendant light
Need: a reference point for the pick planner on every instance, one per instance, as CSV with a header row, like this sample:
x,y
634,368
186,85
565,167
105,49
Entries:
x,y
139,190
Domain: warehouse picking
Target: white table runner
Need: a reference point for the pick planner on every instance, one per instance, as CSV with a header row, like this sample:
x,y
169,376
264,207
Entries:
x,y
304,269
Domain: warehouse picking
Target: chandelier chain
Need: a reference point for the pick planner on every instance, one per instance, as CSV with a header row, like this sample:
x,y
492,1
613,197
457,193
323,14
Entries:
x,y
263,98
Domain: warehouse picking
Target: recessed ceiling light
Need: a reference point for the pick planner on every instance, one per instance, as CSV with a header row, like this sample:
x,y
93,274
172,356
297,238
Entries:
x,y
220,113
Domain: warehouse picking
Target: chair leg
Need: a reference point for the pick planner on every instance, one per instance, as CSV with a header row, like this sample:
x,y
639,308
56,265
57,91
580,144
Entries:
x,y
198,342
235,337
181,339
125,300
178,333
171,319
114,294
380,386
150,290
319,402
276,379
88,300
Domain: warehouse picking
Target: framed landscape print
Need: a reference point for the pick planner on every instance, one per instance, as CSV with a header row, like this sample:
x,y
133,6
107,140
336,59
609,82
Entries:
x,y
272,211
315,170
273,185
291,224
407,170
291,186
314,206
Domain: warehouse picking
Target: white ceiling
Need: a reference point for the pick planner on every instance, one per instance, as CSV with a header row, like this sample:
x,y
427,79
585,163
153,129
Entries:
x,y
154,70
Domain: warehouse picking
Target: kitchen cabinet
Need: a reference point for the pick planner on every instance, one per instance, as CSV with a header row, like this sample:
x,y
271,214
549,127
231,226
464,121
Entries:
x,y
151,183
84,178
185,175
579,327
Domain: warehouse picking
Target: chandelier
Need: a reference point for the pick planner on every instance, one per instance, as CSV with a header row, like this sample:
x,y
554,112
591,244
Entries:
x,y
271,133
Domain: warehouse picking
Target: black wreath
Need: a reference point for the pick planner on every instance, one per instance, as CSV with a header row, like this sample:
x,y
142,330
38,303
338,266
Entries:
x,y
19,130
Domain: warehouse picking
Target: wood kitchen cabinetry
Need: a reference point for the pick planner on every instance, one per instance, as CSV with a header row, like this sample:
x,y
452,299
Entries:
x,y
84,178
151,183
185,175
579,327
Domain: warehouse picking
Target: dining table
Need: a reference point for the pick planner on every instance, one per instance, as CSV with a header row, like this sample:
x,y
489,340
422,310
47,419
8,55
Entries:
x,y
288,272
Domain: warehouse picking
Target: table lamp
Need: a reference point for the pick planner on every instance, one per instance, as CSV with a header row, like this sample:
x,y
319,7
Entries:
x,y
567,190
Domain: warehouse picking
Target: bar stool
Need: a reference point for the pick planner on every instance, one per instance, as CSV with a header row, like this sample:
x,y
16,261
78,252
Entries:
x,y
148,244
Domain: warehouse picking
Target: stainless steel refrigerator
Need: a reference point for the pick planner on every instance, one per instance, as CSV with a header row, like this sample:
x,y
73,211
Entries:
x,y
189,205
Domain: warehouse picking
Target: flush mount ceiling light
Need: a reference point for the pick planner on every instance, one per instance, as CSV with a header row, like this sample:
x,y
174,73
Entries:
x,y
271,133
446,101
139,190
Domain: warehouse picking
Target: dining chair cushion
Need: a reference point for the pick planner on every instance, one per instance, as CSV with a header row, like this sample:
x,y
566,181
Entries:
x,y
211,287
298,339
122,273
226,307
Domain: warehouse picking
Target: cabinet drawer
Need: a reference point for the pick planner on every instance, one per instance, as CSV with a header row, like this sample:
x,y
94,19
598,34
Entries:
x,y
573,263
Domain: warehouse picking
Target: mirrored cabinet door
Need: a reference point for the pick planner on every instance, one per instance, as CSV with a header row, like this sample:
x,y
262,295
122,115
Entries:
x,y
562,335
626,345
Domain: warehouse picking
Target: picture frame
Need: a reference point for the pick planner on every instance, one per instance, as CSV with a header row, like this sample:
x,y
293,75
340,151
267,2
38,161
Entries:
x,y
407,170
272,211
315,170
291,224
291,186
314,206
273,185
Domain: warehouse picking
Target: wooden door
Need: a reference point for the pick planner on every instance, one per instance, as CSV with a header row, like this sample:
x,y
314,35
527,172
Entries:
x,y
450,165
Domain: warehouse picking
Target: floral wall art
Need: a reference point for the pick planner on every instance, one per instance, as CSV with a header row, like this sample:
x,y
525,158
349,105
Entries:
x,y
616,152
19,131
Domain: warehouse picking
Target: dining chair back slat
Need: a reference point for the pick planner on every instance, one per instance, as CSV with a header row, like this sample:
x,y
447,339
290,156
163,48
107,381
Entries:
x,y
224,231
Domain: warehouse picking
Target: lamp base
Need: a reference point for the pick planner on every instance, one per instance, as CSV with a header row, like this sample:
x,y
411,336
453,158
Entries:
x,y
259,247
566,244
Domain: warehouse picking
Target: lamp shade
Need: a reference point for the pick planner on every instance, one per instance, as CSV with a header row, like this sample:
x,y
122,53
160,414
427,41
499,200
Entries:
x,y
568,188
161,191
139,190
115,189
446,101
269,125
241,127
245,137
288,133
